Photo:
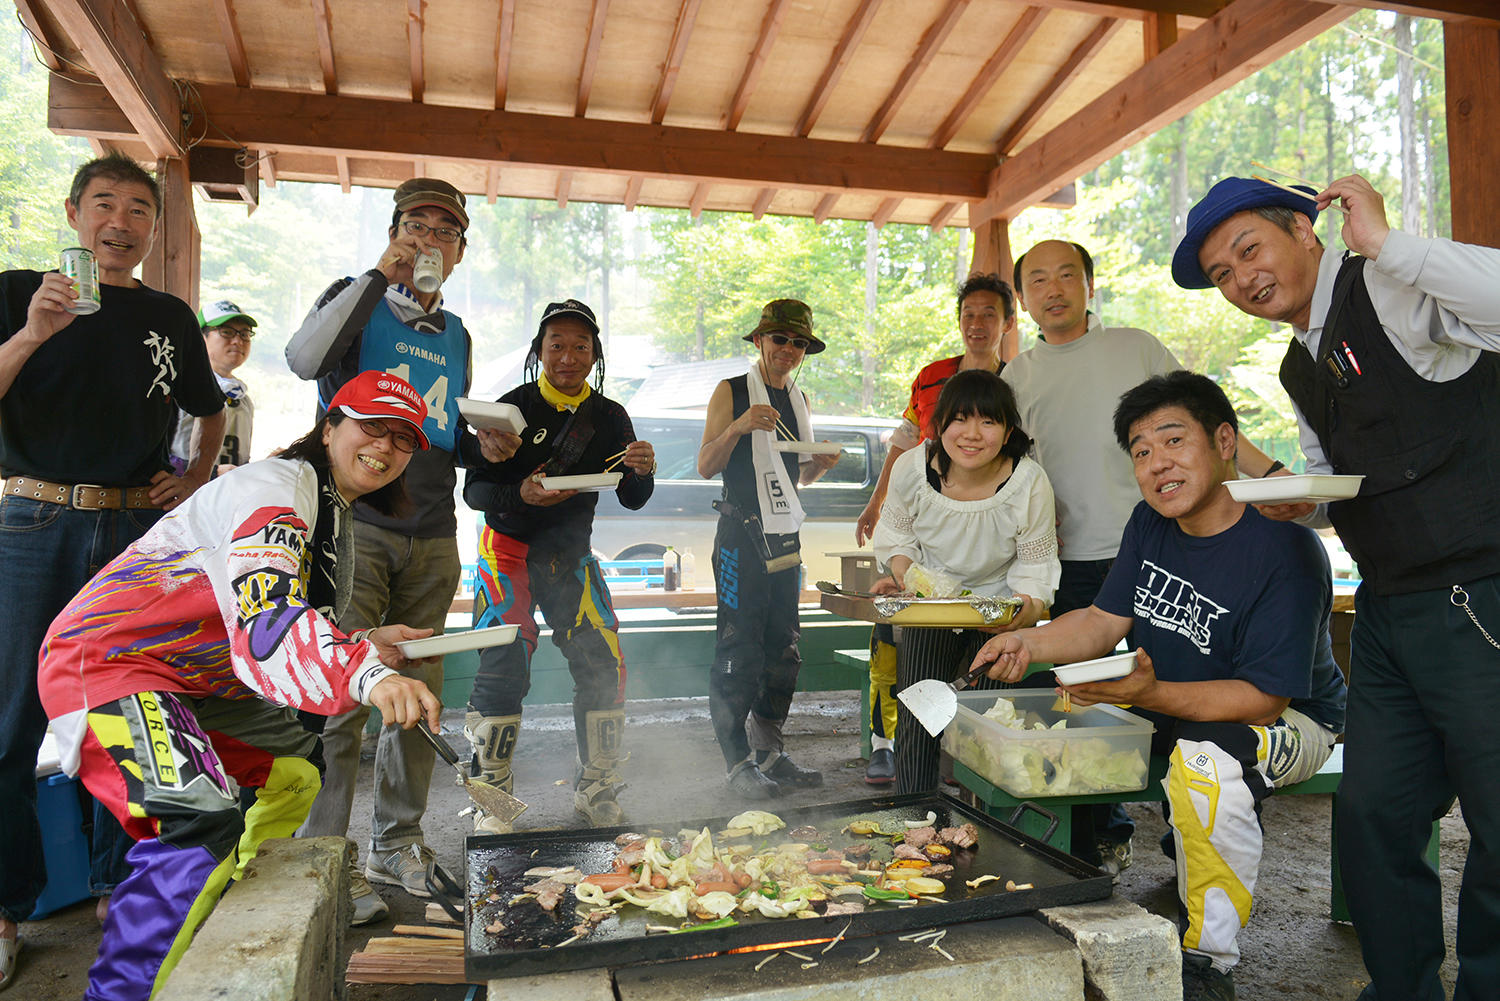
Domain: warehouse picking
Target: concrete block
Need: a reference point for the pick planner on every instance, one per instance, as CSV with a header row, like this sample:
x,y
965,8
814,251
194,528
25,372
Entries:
x,y
1128,953
1011,959
571,985
278,934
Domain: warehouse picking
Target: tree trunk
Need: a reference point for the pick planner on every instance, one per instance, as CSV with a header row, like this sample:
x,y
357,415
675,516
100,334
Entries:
x,y
1411,185
867,349
1330,227
604,265
700,350
1429,175
1180,201
961,260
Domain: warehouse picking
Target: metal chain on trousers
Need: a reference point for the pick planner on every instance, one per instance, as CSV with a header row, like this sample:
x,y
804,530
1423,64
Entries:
x,y
1460,599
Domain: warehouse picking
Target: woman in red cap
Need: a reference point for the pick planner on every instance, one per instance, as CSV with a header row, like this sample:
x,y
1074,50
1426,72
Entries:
x,y
178,667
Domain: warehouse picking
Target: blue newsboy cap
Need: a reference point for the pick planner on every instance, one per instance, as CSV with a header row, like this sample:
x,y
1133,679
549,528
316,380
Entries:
x,y
1229,196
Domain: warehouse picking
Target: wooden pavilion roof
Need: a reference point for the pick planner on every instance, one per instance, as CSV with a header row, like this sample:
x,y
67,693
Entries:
x,y
938,112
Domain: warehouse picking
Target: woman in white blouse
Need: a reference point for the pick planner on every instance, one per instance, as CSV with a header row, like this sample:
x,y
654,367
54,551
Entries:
x,y
969,505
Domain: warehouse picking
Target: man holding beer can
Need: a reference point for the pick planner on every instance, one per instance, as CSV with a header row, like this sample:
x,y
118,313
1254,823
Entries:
x,y
409,566
87,402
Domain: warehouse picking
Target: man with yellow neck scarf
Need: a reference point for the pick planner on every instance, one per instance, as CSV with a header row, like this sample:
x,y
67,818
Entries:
x,y
535,553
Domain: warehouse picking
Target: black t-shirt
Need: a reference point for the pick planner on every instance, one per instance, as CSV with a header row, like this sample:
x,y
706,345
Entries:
x,y
739,472
96,402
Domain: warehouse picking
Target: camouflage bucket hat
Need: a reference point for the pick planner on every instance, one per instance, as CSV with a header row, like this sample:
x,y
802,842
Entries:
x,y
791,317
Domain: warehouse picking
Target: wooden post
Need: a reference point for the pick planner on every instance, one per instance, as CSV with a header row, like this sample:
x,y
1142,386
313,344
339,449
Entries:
x,y
172,264
1471,57
992,254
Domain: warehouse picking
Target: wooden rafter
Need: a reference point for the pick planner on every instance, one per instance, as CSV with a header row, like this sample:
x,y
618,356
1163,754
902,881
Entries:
x,y
1477,12
675,52
492,183
1137,10
267,161
1025,26
46,45
932,38
836,65
824,208
111,40
341,165
367,127
1243,38
884,211
942,215
1085,50
633,192
762,202
323,25
698,200
414,42
505,30
591,56
769,26
1158,33
564,187
234,46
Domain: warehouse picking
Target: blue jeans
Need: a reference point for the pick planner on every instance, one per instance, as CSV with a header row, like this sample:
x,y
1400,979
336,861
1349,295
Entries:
x,y
47,553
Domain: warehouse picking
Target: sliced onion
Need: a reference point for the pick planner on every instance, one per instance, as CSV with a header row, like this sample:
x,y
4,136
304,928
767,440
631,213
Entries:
x,y
914,824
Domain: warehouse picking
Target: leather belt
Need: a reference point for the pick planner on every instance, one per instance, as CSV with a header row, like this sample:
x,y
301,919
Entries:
x,y
84,496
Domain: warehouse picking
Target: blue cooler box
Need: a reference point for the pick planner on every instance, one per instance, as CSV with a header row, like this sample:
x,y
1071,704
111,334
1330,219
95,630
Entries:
x,y
64,843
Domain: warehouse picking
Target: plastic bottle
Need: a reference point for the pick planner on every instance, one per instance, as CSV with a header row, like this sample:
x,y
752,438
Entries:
x,y
688,573
669,570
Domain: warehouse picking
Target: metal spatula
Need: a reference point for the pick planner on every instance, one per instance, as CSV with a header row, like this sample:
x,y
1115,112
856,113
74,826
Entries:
x,y
491,799
934,703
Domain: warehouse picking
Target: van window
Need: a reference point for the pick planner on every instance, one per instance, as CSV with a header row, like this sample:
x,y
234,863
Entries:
x,y
676,444
854,464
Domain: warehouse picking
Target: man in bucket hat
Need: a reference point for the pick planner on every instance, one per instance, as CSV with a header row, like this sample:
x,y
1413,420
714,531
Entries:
x,y
756,559
1394,375
409,566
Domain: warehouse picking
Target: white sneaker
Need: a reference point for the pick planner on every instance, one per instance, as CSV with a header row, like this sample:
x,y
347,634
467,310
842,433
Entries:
x,y
404,867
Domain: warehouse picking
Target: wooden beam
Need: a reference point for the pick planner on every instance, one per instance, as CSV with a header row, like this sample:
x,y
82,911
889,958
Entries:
x,y
1480,13
675,52
824,208
46,44
884,211
1246,36
762,202
491,183
1158,33
991,253
170,264
505,29
591,56
769,26
932,38
1138,10
699,199
414,43
82,108
633,191
1086,50
419,167
1471,59
366,127
111,41
267,161
341,165
941,216
835,68
323,24
234,46
1025,26
564,186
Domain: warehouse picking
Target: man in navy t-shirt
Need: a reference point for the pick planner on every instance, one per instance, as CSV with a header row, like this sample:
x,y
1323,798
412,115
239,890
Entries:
x,y
1234,664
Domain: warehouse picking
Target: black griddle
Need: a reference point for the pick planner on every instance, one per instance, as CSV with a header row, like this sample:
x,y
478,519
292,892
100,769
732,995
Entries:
x,y
529,943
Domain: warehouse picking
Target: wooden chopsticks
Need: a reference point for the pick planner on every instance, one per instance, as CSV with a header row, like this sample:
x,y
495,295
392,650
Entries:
x,y
1288,187
614,460
784,430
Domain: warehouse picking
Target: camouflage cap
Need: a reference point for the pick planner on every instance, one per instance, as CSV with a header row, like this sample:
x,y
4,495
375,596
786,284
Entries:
x,y
788,316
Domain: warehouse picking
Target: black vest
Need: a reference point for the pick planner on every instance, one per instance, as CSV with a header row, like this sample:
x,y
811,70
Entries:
x,y
739,474
1425,516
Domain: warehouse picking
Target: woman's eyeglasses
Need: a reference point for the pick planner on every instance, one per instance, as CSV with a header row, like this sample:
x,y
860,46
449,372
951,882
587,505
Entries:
x,y
782,340
404,441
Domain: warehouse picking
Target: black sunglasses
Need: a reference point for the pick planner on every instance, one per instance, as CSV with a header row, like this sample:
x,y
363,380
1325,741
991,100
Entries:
x,y
781,340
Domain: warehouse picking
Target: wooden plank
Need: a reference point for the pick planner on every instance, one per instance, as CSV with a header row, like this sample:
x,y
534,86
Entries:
x,y
111,41
1244,37
76,109
414,43
341,164
1479,13
884,211
762,202
46,44
769,26
427,931
234,46
590,56
836,65
505,30
932,38
699,199
323,23
171,265
633,191
824,208
434,913
1139,9
941,216
397,129
1025,26
1094,41
1158,32
992,253
564,186
268,168
1471,58
675,53
491,183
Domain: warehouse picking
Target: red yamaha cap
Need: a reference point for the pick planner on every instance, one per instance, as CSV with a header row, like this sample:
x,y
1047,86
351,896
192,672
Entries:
x,y
382,396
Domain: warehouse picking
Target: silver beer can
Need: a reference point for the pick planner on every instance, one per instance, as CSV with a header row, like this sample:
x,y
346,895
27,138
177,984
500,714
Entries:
x,y
427,271
79,264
